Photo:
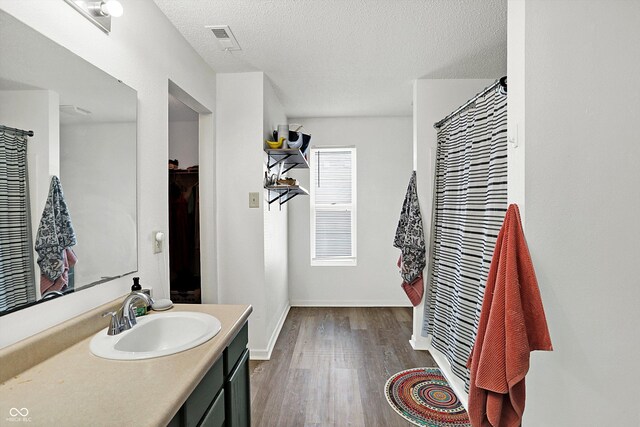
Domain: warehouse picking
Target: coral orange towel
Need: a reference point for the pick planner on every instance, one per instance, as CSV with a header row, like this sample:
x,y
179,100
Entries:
x,y
512,324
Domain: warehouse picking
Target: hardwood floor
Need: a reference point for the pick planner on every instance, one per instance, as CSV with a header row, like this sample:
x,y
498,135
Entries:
x,y
329,368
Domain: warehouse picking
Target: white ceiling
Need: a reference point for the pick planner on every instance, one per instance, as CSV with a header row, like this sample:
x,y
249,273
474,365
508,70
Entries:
x,y
349,57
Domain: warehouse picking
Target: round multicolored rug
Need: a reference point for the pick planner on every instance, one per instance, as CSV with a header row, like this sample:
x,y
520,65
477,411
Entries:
x,y
423,397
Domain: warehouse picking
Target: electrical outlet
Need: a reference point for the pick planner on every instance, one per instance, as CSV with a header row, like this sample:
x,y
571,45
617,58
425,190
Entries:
x,y
254,200
158,238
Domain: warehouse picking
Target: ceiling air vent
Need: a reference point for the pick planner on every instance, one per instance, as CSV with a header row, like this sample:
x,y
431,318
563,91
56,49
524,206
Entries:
x,y
225,37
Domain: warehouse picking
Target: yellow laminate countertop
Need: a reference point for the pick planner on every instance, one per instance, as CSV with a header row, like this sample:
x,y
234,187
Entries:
x,y
75,388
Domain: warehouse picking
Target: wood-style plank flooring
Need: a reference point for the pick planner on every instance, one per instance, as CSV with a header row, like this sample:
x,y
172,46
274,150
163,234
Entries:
x,y
329,368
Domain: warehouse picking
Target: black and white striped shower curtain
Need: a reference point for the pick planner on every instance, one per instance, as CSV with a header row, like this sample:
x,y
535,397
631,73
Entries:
x,y
16,275
469,207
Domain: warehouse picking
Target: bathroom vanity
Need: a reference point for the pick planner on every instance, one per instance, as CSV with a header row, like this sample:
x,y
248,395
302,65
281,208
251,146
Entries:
x,y
54,379
222,398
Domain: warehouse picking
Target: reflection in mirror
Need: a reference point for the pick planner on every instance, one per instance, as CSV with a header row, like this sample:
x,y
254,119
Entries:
x,y
16,273
84,124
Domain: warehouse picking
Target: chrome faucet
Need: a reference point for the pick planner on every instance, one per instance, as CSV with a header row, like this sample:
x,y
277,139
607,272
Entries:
x,y
125,318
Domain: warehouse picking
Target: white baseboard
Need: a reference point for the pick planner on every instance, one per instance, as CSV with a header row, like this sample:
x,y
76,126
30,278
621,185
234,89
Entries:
x,y
265,354
353,303
419,343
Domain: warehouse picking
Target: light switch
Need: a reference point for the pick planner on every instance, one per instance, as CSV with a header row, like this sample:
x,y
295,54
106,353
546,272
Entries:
x,y
254,200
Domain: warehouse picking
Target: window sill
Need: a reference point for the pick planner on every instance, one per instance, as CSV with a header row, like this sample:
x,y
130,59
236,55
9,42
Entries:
x,y
350,262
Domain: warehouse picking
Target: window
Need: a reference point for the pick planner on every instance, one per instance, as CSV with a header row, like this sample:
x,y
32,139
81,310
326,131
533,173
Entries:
x,y
333,206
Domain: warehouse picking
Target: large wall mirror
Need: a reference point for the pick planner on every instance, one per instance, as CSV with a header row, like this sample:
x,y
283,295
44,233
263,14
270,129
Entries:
x,y
84,124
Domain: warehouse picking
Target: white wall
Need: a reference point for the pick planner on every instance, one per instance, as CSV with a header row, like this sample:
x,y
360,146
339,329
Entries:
x,y
36,110
383,171
276,248
432,101
183,142
252,242
239,169
516,48
582,97
96,170
144,51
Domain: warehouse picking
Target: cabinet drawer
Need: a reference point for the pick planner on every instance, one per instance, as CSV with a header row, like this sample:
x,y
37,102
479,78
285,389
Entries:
x,y
201,398
215,415
235,349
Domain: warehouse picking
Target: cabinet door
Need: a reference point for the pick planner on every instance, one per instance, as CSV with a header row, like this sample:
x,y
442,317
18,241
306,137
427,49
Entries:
x,y
238,395
215,414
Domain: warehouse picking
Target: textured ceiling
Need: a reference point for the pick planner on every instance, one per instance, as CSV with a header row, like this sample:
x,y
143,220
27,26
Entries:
x,y
349,57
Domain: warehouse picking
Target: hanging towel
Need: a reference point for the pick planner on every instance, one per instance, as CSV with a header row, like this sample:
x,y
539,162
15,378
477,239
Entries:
x,y
55,235
59,284
415,289
410,240
512,324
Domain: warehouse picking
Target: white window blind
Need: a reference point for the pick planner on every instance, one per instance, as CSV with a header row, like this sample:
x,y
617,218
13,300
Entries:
x,y
333,206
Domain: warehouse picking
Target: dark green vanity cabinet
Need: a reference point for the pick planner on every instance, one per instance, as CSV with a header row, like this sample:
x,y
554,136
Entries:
x,y
236,384
223,396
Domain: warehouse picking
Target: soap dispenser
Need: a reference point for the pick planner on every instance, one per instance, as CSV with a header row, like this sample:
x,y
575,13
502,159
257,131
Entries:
x,y
139,306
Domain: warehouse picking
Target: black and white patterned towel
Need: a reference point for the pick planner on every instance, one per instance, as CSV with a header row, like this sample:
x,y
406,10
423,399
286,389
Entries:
x,y
55,233
410,235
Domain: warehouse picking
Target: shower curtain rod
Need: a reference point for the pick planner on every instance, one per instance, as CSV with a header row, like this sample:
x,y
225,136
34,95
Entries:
x,y
502,82
4,128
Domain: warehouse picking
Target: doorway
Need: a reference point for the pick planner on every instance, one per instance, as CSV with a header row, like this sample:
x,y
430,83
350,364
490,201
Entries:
x,y
184,204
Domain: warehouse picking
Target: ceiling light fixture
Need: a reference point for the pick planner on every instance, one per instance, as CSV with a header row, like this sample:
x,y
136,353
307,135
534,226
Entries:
x,y
111,7
98,12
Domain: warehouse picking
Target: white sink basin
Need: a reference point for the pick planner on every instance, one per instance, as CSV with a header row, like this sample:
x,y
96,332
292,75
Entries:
x,y
157,335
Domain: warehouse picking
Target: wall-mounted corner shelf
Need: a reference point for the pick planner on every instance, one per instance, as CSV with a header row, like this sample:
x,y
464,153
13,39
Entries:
x,y
284,193
289,158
